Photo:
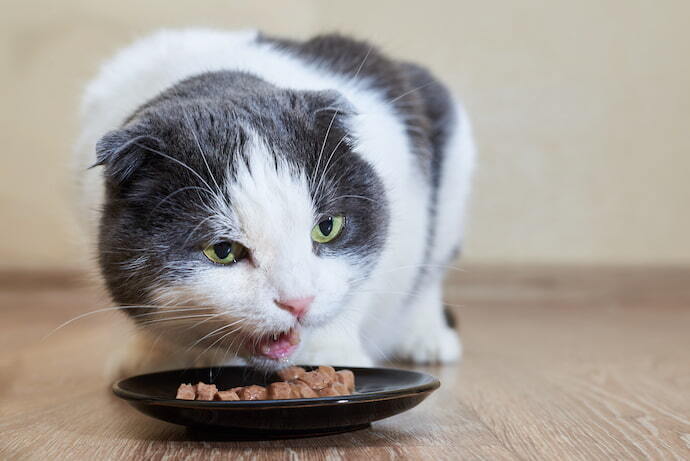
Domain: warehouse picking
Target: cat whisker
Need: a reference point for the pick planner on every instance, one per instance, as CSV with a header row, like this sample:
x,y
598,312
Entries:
x,y
201,322
325,168
225,335
168,311
404,293
232,344
411,266
361,65
169,196
335,114
410,92
134,250
372,342
197,324
171,319
214,332
196,228
323,146
105,309
179,162
349,196
201,151
324,109
219,314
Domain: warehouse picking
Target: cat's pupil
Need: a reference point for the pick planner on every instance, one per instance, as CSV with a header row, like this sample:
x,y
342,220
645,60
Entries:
x,y
222,249
326,226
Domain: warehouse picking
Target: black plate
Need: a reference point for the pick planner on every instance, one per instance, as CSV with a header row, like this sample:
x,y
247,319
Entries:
x,y
380,393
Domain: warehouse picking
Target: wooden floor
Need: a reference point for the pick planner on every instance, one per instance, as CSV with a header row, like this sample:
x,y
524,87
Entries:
x,y
559,364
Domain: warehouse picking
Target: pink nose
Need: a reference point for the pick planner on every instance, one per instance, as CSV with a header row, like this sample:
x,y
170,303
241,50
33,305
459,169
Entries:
x,y
297,307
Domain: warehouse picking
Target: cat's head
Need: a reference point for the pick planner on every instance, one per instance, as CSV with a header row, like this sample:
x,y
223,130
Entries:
x,y
242,210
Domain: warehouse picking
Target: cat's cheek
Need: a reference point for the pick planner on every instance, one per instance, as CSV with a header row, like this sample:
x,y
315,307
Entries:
x,y
242,292
238,293
333,290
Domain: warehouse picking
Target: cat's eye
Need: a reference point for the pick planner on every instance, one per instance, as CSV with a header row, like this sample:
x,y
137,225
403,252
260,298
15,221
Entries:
x,y
327,229
225,252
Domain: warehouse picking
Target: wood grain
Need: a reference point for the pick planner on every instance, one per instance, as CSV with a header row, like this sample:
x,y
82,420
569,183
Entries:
x,y
576,363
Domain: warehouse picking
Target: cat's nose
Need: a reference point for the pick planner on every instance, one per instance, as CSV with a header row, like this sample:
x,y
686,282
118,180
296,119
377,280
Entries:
x,y
297,307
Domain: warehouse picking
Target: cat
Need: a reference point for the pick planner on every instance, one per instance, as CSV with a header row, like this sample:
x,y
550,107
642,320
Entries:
x,y
258,200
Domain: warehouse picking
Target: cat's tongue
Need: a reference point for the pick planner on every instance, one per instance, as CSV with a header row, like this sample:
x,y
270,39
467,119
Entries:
x,y
279,346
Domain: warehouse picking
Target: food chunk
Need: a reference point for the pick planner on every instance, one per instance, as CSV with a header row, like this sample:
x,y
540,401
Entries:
x,y
291,373
302,391
227,395
340,388
205,391
315,379
328,371
280,390
328,391
346,378
186,392
253,392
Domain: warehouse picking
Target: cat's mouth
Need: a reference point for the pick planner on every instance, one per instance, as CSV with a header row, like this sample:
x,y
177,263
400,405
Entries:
x,y
276,346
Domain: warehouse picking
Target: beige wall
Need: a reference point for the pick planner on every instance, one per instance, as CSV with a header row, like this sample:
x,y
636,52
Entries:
x,y
581,109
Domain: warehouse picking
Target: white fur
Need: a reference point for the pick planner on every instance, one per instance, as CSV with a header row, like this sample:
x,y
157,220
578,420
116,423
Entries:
x,y
278,234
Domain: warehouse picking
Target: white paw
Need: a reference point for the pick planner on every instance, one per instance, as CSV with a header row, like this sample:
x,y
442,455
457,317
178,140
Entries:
x,y
427,347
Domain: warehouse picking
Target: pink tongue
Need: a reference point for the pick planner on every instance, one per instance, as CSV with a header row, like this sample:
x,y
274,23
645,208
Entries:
x,y
278,349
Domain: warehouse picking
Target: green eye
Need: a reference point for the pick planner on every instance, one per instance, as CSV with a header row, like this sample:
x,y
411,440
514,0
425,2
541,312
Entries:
x,y
225,252
328,229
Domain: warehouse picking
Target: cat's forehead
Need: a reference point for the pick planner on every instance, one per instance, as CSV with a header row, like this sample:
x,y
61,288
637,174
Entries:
x,y
270,200
217,105
287,120
302,132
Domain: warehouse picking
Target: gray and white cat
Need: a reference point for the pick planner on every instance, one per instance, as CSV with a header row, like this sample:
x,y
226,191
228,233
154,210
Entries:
x,y
273,201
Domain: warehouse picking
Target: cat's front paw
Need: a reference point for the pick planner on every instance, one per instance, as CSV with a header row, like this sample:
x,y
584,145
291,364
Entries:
x,y
429,347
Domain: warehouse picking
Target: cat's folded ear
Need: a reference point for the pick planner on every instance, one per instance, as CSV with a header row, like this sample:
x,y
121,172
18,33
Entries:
x,y
124,151
327,104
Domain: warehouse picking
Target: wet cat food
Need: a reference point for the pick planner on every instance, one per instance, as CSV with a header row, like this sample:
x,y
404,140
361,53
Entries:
x,y
199,391
297,383
253,392
226,395
186,392
291,373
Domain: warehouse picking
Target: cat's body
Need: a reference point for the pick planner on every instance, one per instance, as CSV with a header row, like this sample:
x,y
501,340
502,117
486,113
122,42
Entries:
x,y
272,136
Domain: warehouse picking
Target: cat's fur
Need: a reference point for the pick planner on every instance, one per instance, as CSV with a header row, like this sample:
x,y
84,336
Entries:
x,y
201,135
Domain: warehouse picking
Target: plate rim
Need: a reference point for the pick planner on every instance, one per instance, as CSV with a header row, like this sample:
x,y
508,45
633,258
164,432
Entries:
x,y
132,396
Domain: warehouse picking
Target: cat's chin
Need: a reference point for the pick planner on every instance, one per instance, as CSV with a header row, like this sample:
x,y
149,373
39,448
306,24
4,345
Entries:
x,y
266,364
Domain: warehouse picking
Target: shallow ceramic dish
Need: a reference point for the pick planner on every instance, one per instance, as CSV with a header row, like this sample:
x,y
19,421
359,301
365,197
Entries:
x,y
380,393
